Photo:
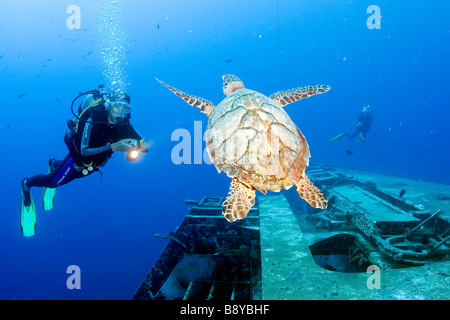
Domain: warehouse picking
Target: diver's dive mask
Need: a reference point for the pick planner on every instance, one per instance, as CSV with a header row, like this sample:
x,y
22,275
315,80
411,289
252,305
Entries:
x,y
118,110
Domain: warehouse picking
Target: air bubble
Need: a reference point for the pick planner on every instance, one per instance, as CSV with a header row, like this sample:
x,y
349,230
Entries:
x,y
112,43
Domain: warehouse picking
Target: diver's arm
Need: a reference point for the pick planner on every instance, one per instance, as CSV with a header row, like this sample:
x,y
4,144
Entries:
x,y
85,150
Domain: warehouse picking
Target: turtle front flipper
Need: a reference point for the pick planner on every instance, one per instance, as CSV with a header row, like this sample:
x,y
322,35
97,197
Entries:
x,y
205,106
239,201
311,193
284,97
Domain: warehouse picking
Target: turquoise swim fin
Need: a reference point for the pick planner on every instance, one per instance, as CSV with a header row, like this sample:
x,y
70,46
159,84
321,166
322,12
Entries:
x,y
49,193
27,217
48,198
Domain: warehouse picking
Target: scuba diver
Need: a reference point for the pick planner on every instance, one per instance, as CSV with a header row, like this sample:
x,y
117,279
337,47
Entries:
x,y
363,126
101,127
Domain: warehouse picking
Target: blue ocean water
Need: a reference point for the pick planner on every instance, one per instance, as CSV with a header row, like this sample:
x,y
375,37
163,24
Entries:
x,y
106,226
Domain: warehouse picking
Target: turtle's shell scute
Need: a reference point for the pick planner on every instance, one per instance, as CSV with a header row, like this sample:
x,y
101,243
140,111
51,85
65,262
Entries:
x,y
251,137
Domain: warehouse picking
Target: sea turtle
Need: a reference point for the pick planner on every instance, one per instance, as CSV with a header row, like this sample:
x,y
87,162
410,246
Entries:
x,y
252,139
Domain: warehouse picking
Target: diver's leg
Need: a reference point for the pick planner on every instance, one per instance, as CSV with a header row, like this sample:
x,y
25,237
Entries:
x,y
54,165
26,193
39,180
65,172
27,207
46,180
354,134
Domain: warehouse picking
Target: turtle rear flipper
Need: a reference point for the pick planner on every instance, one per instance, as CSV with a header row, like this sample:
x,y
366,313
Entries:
x,y
311,193
238,202
284,97
205,106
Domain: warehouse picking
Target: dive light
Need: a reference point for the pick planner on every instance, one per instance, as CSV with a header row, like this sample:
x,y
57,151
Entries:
x,y
132,155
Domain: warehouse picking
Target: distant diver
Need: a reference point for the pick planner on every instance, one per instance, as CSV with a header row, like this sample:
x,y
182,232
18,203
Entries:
x,y
101,127
363,126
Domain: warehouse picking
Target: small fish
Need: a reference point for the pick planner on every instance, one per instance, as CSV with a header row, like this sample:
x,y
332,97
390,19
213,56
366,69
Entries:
x,y
88,54
157,26
229,60
2,56
49,59
349,152
402,193
22,95
6,68
57,99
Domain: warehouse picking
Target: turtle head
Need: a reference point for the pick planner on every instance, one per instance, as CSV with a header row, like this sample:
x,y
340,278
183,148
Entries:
x,y
231,83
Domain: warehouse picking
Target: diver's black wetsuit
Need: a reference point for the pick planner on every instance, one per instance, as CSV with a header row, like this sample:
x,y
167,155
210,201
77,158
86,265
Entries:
x,y
363,125
87,151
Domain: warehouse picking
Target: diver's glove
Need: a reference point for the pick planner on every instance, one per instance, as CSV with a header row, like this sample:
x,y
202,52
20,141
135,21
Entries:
x,y
122,145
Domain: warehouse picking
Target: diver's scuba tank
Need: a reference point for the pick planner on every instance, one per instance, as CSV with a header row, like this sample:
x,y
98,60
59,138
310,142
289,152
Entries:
x,y
82,116
100,93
